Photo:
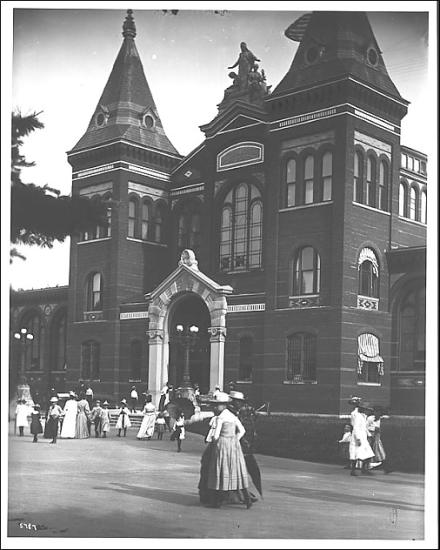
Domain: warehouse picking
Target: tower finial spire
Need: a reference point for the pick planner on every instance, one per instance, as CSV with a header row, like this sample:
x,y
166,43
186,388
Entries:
x,y
129,28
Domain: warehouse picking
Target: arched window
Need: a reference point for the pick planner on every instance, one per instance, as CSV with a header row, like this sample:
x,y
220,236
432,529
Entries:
x,y
59,341
368,267
135,360
307,272
412,322
308,180
241,229
132,217
383,186
371,182
370,363
413,200
358,188
327,176
423,207
158,223
32,358
90,355
301,357
403,199
145,221
246,358
291,182
94,292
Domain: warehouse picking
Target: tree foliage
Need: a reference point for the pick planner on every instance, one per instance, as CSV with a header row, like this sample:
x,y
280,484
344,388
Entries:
x,y
41,215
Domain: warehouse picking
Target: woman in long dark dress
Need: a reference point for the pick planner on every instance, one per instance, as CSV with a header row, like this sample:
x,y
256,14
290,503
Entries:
x,y
36,427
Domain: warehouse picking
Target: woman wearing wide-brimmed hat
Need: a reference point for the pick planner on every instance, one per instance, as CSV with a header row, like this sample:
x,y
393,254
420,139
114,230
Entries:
x,y
70,412
227,469
146,429
359,447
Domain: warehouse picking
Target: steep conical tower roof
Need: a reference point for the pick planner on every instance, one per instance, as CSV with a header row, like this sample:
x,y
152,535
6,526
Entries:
x,y
335,45
126,109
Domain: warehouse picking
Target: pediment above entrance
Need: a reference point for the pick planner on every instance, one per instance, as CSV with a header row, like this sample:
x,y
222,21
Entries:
x,y
187,278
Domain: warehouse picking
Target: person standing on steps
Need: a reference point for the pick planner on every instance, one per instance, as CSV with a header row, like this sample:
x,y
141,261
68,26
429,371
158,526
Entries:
x,y
134,398
123,418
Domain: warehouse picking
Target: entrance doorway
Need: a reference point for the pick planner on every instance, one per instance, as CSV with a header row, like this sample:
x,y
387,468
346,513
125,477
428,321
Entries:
x,y
189,311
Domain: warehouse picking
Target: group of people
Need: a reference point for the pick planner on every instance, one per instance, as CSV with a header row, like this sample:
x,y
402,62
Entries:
x,y
361,442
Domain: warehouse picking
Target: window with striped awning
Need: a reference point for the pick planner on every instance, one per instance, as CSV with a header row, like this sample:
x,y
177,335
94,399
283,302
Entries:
x,y
368,353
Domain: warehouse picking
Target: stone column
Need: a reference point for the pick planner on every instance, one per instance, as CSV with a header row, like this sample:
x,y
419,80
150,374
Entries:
x,y
155,350
216,371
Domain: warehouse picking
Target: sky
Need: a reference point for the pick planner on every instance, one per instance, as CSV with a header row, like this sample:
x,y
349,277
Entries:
x,y
62,58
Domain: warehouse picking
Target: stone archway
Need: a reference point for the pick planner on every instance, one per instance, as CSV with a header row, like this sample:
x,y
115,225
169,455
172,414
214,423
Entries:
x,y
185,279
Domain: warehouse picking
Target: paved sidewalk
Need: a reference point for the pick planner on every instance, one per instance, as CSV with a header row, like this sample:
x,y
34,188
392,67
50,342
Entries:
x,y
121,487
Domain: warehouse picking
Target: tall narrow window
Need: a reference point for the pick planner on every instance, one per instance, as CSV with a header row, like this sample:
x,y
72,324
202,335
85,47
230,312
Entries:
x,y
226,239
59,340
412,323
182,234
145,223
368,273
246,359
135,360
240,232
403,199
371,182
94,292
308,180
358,189
291,182
307,272
32,351
240,226
423,207
158,224
132,217
255,234
301,357
412,203
108,232
327,176
383,186
90,357
194,235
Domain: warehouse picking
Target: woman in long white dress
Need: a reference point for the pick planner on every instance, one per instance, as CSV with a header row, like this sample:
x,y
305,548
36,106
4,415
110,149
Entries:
x,y
68,430
146,430
359,447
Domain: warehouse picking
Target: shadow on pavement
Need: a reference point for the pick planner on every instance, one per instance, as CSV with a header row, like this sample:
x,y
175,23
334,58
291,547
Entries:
x,y
329,496
171,497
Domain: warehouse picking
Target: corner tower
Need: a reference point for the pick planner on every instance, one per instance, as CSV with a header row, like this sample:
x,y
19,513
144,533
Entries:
x,y
335,125
124,155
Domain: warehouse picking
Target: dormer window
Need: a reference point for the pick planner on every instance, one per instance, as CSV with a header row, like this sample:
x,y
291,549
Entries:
x,y
312,54
101,116
148,122
372,56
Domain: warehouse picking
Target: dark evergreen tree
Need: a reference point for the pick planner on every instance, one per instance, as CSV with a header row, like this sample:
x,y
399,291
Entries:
x,y
41,215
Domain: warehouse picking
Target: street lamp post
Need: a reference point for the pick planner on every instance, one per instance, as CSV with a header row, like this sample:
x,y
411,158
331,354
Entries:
x,y
187,337
23,337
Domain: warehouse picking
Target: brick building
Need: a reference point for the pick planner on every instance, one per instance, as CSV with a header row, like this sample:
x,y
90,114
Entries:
x,y
307,219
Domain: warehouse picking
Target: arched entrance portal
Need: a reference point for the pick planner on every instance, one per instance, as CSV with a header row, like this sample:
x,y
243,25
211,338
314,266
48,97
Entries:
x,y
186,311
190,296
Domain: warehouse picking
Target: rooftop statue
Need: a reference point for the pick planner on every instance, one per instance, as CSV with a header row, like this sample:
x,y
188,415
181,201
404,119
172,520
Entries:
x,y
245,62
